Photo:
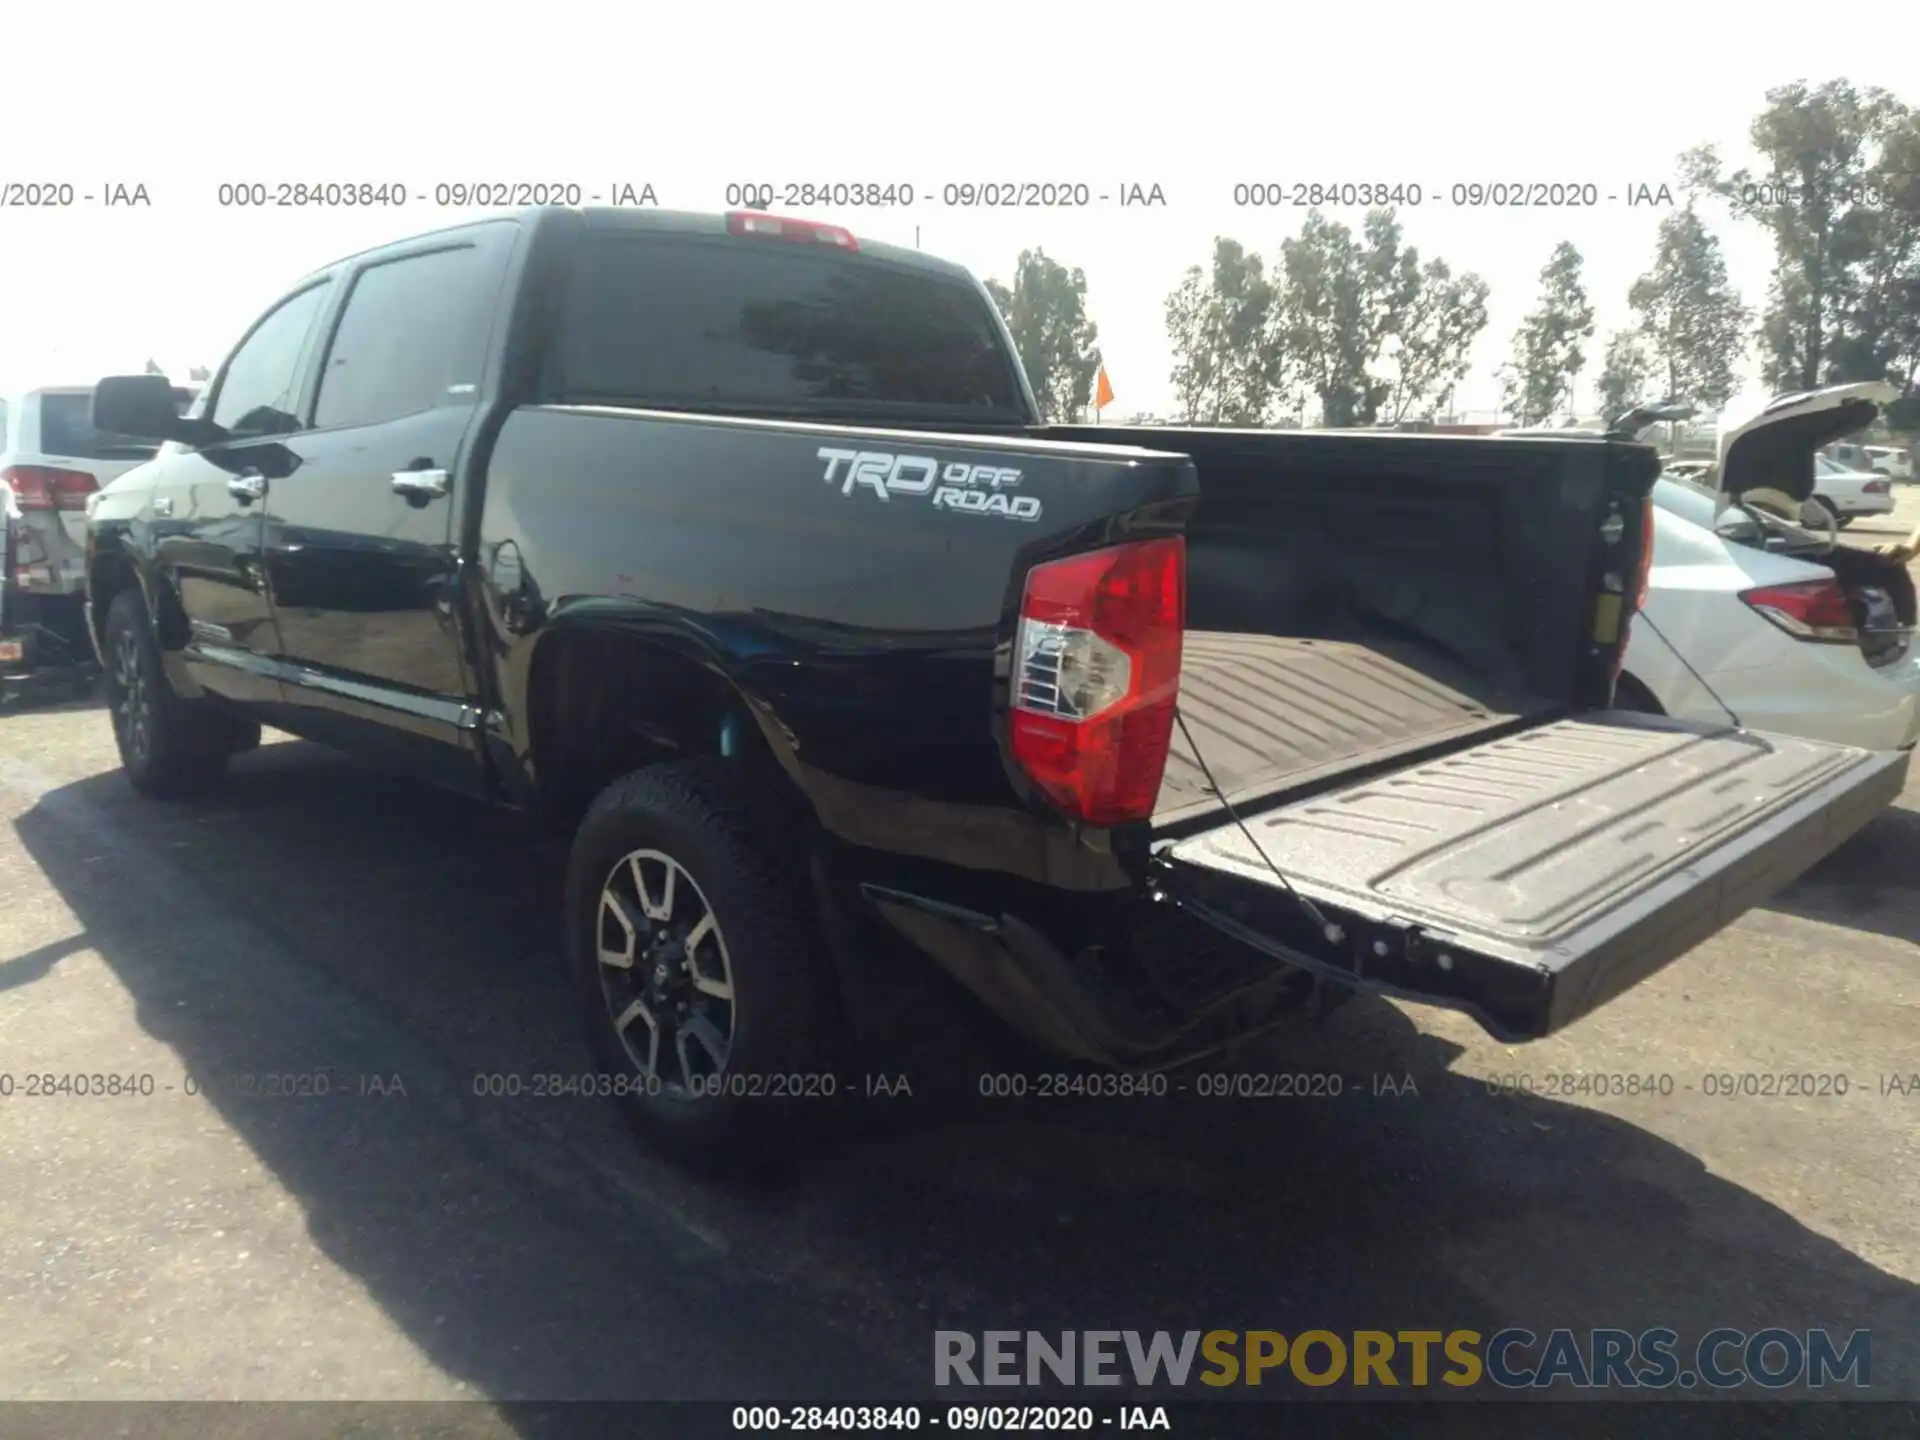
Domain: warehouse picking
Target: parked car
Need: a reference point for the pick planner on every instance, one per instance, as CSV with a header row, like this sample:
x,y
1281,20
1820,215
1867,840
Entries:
x,y
1841,496
737,546
1848,455
1894,463
51,459
1748,622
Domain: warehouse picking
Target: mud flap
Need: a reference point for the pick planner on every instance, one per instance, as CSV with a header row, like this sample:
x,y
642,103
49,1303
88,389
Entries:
x,y
1529,880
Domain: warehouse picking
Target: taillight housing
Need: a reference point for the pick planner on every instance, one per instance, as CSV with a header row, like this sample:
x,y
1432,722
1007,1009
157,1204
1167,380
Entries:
x,y
1096,677
49,487
1813,610
1643,577
778,227
1878,487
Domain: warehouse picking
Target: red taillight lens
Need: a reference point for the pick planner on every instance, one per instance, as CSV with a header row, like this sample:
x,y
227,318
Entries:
x,y
1097,676
805,232
1877,487
1814,610
47,487
1644,575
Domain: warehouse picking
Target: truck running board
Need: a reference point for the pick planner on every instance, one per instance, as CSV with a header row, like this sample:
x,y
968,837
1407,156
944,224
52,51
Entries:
x,y
1530,879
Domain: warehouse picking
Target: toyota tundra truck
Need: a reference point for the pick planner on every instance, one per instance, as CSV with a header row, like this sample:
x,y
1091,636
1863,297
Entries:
x,y
736,546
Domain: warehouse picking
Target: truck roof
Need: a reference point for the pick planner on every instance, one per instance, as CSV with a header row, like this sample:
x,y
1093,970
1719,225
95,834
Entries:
x,y
618,218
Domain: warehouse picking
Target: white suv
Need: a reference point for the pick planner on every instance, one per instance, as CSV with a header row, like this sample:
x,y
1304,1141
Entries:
x,y
51,459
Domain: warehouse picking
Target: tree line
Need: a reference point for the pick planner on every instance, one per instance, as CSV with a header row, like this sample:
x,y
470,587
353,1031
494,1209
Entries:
x,y
1354,327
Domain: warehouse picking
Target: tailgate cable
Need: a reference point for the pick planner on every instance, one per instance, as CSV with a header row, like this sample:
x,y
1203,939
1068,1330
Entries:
x,y
1327,928
1675,649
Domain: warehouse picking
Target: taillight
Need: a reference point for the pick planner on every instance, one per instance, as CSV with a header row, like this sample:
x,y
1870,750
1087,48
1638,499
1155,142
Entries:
x,y
1644,573
1877,487
1097,676
47,487
805,232
1815,610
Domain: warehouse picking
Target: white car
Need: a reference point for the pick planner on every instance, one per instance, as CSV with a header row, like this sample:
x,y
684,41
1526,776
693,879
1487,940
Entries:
x,y
1840,495
1843,495
51,459
1894,464
1755,621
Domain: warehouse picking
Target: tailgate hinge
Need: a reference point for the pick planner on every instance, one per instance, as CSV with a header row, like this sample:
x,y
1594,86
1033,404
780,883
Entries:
x,y
1414,943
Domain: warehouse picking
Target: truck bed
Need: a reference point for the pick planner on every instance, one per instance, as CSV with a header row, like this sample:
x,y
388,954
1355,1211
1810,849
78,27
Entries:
x,y
1270,712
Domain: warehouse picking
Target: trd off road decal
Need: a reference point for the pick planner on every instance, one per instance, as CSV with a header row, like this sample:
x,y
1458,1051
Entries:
x,y
955,485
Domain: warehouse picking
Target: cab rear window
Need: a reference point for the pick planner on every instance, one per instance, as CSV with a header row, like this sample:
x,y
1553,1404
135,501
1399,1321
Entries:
x,y
758,327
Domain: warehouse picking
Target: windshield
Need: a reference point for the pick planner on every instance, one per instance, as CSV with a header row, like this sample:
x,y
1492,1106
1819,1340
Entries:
x,y
1690,501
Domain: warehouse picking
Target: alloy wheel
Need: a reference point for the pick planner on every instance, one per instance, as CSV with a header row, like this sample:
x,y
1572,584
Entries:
x,y
132,697
664,972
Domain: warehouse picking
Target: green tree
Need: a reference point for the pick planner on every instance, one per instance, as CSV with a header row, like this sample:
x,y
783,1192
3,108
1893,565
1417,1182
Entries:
x,y
1344,297
1228,366
1882,339
1047,312
1548,348
1436,335
1814,192
1691,317
1625,373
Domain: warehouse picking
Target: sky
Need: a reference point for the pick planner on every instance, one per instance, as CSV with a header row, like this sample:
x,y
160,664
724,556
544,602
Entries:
x,y
1193,99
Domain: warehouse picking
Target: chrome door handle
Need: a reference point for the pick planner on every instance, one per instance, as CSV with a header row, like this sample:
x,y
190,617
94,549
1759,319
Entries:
x,y
247,488
421,484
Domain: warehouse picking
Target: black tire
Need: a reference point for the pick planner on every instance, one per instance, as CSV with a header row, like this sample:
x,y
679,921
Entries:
x,y
1630,694
170,748
751,1106
1842,521
242,735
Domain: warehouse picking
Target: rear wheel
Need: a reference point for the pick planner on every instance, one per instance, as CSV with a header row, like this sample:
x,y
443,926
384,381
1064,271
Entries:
x,y
1631,694
169,747
699,967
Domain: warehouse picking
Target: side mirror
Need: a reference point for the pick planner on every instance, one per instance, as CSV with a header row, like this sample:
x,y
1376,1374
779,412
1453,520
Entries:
x,y
141,407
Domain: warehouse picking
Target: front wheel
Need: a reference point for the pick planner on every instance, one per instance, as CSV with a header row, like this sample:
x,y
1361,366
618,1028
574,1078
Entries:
x,y
169,747
699,967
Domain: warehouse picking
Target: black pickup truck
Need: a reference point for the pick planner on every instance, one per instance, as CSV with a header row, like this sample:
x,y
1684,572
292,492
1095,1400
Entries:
x,y
736,545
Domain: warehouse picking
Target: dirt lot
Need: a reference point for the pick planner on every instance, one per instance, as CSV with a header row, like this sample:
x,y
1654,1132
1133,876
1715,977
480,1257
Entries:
x,y
311,919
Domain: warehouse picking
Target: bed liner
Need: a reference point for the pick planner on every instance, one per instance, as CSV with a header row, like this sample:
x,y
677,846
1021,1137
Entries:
x,y
1270,712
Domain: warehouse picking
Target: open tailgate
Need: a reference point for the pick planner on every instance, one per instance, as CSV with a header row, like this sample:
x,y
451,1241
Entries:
x,y
1530,879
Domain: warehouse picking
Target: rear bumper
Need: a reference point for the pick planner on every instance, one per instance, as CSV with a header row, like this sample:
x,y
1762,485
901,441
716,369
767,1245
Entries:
x,y
1531,880
1825,692
1863,504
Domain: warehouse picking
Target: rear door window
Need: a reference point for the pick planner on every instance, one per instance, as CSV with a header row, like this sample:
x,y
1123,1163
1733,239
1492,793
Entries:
x,y
765,327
